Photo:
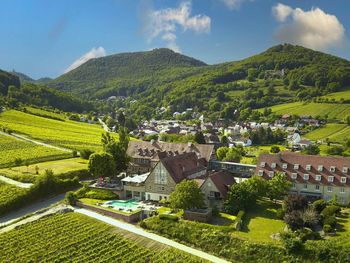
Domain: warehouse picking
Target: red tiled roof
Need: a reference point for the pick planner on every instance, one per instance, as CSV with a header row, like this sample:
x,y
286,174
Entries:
x,y
222,180
182,166
314,160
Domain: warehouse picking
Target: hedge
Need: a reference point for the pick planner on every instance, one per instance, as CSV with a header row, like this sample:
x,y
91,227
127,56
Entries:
x,y
169,217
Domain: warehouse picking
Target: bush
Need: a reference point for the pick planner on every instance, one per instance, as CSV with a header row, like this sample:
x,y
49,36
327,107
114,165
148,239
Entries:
x,y
275,149
330,220
330,211
327,228
85,153
70,198
169,217
319,205
292,243
74,153
307,234
101,194
280,213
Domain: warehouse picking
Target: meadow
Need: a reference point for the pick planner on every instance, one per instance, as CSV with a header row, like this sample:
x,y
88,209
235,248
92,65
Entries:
x,y
73,237
334,132
12,148
67,134
338,96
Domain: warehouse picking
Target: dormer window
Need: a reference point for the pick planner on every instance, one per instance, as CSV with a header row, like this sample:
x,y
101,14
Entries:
x,y
261,173
262,164
330,179
320,168
273,165
271,173
308,167
294,176
345,170
332,169
343,180
285,165
296,166
318,177
306,177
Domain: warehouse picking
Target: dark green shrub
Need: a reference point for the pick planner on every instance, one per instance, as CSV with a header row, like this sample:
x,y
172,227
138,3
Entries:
x,y
85,153
307,234
330,220
292,243
70,198
169,217
280,213
327,228
319,205
330,210
74,153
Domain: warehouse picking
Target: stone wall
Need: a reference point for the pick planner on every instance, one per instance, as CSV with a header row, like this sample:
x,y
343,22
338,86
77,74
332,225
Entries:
x,y
200,215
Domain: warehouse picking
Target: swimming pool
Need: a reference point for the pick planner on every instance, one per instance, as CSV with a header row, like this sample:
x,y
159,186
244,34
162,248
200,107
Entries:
x,y
123,204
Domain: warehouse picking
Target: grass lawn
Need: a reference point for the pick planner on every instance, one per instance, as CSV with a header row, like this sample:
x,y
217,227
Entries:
x,y
343,228
223,219
255,151
58,167
260,222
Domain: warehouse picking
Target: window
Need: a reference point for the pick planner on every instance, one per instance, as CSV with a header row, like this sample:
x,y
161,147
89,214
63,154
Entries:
x,y
345,170
320,168
308,167
342,190
262,164
294,185
330,179
341,200
273,165
271,173
305,186
212,193
296,166
285,165
306,177
294,175
261,173
343,180
160,175
317,187
332,169
318,177
329,189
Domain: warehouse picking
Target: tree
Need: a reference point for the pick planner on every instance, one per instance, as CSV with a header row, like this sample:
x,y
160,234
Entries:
x,y
187,195
26,163
312,149
294,202
101,164
18,162
275,149
240,197
117,148
230,153
278,187
121,119
310,217
199,138
36,169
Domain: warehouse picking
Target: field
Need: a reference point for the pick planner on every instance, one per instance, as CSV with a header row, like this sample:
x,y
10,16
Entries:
x,y
25,174
12,148
334,111
334,132
45,113
68,134
73,237
337,96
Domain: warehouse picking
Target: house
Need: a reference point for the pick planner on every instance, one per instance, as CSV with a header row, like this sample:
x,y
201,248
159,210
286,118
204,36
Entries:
x,y
243,142
134,186
170,171
313,176
215,188
145,155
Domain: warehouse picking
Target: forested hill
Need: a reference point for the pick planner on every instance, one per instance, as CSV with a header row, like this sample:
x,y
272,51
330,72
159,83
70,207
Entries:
x,y
22,77
121,70
6,80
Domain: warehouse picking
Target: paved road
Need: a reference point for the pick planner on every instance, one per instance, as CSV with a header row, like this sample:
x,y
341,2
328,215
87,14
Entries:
x,y
141,232
16,183
15,215
24,138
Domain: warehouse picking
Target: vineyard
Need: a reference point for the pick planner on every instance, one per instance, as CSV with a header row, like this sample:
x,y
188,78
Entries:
x,y
12,148
68,134
9,193
74,237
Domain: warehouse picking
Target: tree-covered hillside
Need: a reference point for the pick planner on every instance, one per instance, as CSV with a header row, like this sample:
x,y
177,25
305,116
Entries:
x,y
6,80
126,73
22,77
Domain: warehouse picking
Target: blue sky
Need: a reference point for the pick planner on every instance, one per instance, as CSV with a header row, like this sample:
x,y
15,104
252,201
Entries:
x,y
49,37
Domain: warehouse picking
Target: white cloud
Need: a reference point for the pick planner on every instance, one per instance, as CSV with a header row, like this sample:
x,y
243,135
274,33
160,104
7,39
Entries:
x,y
93,53
314,28
165,22
281,12
233,4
